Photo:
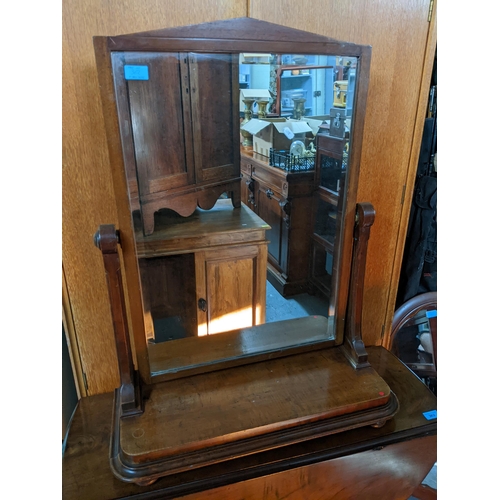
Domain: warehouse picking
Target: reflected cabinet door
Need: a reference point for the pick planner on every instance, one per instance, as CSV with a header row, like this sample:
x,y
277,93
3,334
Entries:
x,y
215,117
230,285
268,203
158,141
178,127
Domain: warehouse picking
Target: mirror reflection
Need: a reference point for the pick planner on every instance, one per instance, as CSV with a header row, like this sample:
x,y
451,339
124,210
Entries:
x,y
263,139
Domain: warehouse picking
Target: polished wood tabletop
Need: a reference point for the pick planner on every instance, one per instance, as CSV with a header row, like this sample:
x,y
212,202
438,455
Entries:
x,y
222,225
87,474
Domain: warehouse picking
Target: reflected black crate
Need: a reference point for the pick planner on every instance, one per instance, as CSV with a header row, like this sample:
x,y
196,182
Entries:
x,y
290,163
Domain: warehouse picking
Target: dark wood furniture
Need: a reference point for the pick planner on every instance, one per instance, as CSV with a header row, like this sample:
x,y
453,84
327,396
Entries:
x,y
200,414
222,37
252,390
285,201
414,335
418,316
170,108
203,274
327,212
389,462
302,209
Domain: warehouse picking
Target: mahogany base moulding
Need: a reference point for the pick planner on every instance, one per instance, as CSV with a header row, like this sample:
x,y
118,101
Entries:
x,y
386,462
202,420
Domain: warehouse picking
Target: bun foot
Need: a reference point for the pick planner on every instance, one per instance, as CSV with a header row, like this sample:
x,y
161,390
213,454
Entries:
x,y
145,482
379,424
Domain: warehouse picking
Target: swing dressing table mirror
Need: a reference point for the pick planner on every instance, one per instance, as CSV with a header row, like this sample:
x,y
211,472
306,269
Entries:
x,y
171,103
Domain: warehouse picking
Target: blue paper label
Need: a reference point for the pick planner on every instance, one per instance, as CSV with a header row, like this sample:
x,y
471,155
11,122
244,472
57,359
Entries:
x,y
432,314
133,72
430,415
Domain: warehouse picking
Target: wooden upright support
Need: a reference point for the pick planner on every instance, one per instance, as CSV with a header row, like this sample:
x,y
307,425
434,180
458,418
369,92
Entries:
x,y
353,346
107,239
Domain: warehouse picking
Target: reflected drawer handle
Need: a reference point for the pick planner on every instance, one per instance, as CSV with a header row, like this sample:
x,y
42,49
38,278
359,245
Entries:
x,y
202,305
269,193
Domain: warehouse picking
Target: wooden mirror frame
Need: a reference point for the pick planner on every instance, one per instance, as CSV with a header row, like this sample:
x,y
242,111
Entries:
x,y
230,36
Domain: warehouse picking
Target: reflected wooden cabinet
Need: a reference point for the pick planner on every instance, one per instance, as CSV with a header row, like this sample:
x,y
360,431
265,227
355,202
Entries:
x,y
168,314
203,274
230,286
171,108
284,200
269,207
327,210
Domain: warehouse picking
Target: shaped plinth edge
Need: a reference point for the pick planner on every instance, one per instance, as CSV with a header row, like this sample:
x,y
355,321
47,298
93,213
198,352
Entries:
x,y
353,346
107,239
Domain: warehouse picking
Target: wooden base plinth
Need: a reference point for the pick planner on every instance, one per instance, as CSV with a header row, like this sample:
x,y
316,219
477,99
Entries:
x,y
225,415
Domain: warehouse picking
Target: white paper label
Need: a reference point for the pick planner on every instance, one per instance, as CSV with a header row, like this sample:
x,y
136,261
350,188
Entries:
x,y
289,134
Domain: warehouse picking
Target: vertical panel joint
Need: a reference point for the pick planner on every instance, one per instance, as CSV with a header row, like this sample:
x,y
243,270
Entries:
x,y
431,8
382,330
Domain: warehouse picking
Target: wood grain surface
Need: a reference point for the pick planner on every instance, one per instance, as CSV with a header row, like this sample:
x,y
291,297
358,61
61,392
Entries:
x,y
403,43
400,67
388,462
389,473
248,401
259,343
88,198
221,225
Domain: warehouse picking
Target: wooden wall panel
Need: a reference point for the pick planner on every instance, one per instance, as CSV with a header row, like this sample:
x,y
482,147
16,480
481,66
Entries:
x,y
398,33
88,198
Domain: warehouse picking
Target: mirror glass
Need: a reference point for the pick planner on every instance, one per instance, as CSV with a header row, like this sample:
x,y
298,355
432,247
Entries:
x,y
177,110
